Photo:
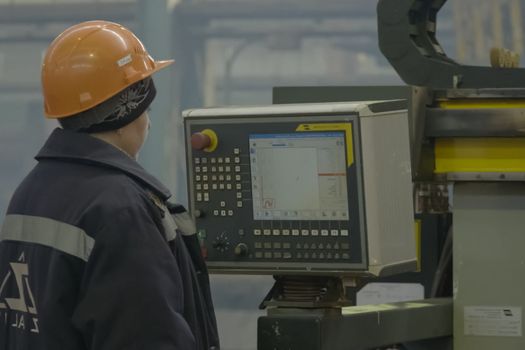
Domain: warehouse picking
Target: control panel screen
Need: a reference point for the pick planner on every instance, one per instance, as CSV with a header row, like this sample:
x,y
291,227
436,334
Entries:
x,y
299,176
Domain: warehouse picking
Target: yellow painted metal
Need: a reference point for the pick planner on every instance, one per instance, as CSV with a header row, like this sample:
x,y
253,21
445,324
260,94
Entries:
x,y
455,155
417,233
346,127
482,104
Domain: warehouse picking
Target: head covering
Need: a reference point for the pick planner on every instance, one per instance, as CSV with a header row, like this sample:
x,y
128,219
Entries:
x,y
116,112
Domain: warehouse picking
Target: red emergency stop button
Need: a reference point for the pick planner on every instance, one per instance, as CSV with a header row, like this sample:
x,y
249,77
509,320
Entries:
x,y
205,140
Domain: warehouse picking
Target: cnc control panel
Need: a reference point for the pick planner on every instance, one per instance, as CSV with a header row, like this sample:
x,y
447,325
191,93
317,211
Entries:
x,y
277,192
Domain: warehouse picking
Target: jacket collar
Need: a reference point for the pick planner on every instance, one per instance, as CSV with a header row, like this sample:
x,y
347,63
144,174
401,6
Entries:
x,y
73,146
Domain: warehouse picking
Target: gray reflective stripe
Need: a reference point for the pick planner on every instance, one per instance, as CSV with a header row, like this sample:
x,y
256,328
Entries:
x,y
66,238
185,223
170,227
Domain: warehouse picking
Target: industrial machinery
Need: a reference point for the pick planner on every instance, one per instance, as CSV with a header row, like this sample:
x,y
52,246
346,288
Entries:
x,y
463,128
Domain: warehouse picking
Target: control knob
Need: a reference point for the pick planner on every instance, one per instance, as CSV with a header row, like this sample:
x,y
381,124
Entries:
x,y
241,250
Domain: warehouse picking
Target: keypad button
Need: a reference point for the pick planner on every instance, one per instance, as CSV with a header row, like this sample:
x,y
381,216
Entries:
x,y
315,232
328,246
324,232
334,233
227,169
221,177
221,169
197,160
204,169
320,246
228,177
197,177
306,246
276,232
344,232
305,232
238,195
267,255
298,246
329,256
321,255
205,187
214,186
214,178
222,204
278,255
213,160
221,186
205,178
337,256
299,255
314,255
204,160
237,169
237,160
267,245
277,245
213,169
336,246
287,255
257,232
257,245
197,169
239,204
286,232
223,212
306,255
238,186
227,160
236,151
258,255
286,245
206,197
237,177
198,187
295,232
215,212
267,232
345,246
230,212
220,160
313,246
345,256
199,197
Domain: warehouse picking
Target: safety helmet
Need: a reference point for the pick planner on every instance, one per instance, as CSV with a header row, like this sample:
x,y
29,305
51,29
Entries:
x,y
89,63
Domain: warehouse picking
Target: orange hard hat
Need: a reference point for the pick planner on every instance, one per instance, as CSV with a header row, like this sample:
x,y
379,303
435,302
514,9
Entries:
x,y
89,63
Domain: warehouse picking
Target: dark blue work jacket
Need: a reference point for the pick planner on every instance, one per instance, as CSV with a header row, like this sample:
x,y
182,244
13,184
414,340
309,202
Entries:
x,y
91,258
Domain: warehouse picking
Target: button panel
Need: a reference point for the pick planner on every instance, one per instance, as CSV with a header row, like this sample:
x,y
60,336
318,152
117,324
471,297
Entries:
x,y
222,188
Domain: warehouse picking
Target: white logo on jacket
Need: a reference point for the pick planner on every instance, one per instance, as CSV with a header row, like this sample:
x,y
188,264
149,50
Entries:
x,y
19,310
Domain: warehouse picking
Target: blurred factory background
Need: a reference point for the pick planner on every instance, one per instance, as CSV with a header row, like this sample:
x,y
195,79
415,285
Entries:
x,y
228,52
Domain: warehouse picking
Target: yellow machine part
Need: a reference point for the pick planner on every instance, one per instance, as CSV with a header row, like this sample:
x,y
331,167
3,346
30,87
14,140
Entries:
x,y
494,155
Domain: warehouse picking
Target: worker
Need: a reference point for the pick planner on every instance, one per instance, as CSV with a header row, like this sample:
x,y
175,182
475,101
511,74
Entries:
x,y
92,256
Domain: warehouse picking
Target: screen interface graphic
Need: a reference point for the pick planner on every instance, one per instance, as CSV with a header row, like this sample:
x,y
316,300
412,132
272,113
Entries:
x,y
299,176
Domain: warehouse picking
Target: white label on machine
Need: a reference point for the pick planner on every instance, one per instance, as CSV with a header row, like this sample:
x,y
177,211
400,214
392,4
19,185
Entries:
x,y
495,321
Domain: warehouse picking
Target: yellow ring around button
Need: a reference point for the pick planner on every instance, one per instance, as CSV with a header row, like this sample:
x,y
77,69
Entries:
x,y
214,140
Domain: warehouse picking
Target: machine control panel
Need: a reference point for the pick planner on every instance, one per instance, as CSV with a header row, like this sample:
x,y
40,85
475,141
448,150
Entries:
x,y
277,194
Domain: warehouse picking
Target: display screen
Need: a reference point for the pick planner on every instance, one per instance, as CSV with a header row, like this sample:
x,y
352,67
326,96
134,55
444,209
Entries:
x,y
299,176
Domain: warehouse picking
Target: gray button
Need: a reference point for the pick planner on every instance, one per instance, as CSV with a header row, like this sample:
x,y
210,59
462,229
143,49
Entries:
x,y
277,245
205,187
328,246
236,150
227,160
295,232
221,186
314,255
267,245
344,232
216,212
199,197
206,197
258,255
320,246
237,177
205,178
204,160
237,169
346,256
268,255
336,246
334,232
306,246
306,255
237,160
286,245
298,246
257,232
239,204
198,187
305,232
228,177
336,256
197,169
267,232
214,186
313,246
276,232
299,255
228,186
324,232
223,212
230,212
197,160
345,246
238,195
214,178
227,169
204,169
213,160
329,255
221,177
287,255
220,160
286,232
315,232
278,255
197,177
257,245
213,169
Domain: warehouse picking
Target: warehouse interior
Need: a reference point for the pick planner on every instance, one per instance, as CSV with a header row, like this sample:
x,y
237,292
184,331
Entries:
x,y
227,53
